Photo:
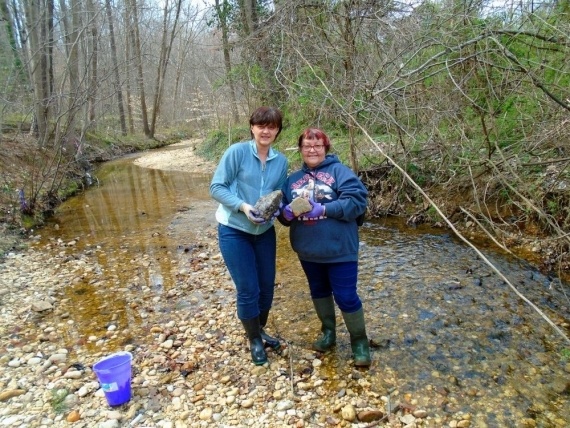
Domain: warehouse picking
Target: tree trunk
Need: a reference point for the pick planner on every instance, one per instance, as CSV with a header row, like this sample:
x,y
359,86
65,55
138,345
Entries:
x,y
10,27
39,30
248,16
129,48
348,61
72,35
222,12
139,63
165,49
117,82
94,48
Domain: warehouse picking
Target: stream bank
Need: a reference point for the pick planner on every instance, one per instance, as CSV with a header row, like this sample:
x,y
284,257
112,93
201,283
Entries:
x,y
453,348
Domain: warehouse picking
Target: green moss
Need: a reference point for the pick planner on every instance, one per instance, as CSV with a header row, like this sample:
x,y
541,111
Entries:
x,y
57,400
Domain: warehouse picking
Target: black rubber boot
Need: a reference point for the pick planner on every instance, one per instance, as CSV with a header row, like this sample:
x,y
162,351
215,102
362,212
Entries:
x,y
358,339
270,341
326,313
253,330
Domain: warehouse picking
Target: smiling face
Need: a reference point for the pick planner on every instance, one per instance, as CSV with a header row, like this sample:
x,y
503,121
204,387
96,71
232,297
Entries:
x,y
313,151
265,124
264,135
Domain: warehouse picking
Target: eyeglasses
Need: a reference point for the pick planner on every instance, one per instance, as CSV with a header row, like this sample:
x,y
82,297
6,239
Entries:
x,y
316,147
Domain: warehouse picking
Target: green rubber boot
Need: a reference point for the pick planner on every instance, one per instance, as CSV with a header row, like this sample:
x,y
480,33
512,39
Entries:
x,y
358,339
253,330
325,311
270,341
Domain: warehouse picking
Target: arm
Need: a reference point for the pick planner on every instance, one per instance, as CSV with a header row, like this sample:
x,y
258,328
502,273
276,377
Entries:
x,y
223,185
352,196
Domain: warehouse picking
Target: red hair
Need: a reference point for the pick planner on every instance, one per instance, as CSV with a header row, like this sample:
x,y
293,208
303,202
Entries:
x,y
317,134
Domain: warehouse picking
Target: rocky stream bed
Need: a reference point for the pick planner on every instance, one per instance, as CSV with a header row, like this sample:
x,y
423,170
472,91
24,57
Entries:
x,y
191,365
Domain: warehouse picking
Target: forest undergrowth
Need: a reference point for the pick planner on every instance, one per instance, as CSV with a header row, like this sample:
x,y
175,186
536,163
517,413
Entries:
x,y
496,223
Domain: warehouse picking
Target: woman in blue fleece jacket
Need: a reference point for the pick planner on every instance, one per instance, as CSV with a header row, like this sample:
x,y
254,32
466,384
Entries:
x,y
247,171
326,239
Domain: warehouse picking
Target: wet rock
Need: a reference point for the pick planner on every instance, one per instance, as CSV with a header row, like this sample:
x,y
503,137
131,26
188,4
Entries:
x,y
420,414
370,415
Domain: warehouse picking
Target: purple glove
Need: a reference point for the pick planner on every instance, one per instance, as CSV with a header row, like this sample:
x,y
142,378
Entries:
x,y
252,214
276,213
288,213
317,211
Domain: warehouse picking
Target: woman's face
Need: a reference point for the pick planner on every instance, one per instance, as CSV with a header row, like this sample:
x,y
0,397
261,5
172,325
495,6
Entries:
x,y
313,151
264,135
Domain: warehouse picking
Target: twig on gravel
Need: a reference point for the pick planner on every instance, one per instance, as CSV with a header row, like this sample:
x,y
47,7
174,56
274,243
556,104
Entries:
x,y
290,347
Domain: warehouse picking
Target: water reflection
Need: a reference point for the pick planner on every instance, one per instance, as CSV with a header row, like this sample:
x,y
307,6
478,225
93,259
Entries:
x,y
129,202
444,326
121,228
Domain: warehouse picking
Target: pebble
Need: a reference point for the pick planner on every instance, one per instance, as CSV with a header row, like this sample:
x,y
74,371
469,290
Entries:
x,y
191,363
188,368
73,416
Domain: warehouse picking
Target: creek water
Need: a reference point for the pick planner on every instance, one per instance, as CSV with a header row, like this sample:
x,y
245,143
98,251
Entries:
x,y
446,330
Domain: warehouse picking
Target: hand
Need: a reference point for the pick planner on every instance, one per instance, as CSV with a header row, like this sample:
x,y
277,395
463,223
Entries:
x,y
252,214
317,211
288,213
276,213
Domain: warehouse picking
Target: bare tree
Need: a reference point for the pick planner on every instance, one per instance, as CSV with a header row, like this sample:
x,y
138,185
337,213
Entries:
x,y
133,12
39,27
222,14
72,40
117,80
169,30
129,44
248,14
9,25
93,54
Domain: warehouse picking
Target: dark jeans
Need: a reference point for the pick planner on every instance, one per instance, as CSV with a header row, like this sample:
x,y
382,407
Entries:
x,y
250,259
338,279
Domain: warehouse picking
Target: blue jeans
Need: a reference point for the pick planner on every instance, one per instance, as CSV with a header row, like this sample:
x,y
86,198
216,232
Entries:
x,y
250,259
338,279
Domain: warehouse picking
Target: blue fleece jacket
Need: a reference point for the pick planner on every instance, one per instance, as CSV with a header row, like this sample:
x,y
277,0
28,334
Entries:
x,y
242,177
334,237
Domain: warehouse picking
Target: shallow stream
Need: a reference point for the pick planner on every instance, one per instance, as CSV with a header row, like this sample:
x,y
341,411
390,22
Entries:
x,y
446,330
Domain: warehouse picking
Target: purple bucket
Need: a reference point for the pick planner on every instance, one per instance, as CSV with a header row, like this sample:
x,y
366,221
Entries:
x,y
114,374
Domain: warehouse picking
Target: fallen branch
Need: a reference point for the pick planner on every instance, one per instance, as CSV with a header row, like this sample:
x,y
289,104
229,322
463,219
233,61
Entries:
x,y
433,204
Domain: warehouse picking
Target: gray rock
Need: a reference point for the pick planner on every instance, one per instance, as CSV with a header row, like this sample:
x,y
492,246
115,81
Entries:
x,y
268,204
41,305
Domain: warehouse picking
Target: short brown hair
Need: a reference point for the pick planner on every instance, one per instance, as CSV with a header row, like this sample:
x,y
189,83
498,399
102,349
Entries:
x,y
267,116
